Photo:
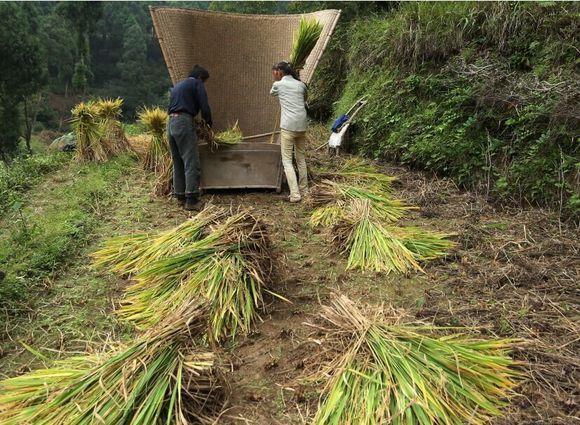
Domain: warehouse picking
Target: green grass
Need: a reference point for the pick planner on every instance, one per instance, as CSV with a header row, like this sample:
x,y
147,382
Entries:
x,y
468,91
66,304
23,173
50,227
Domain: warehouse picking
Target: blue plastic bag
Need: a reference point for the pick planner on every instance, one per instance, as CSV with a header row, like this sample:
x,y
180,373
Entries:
x,y
339,122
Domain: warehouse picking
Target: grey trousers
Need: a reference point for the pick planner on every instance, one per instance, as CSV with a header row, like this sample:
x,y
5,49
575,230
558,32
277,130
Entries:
x,y
185,155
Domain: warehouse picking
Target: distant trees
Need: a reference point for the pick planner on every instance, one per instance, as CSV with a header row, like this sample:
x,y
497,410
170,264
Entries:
x,y
53,53
21,69
82,16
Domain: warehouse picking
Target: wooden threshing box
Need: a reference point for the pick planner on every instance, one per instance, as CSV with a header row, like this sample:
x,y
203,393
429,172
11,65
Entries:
x,y
238,51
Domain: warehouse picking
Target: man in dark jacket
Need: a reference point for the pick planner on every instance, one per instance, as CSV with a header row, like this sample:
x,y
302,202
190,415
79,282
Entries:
x,y
188,98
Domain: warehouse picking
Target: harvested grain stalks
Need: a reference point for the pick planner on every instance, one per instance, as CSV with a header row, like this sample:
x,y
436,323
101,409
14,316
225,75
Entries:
x,y
130,254
157,158
88,131
222,259
388,372
155,122
109,112
140,144
359,172
334,196
305,40
231,136
373,245
160,378
228,270
98,131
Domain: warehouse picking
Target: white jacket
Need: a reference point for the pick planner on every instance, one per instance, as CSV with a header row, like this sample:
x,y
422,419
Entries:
x,y
292,94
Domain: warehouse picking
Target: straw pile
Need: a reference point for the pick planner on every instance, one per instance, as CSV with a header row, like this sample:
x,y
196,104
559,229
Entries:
x,y
98,131
140,144
157,158
360,215
109,112
382,371
161,377
229,137
89,134
216,258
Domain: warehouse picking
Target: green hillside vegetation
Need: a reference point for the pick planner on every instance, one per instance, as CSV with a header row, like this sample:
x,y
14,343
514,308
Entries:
x,y
484,93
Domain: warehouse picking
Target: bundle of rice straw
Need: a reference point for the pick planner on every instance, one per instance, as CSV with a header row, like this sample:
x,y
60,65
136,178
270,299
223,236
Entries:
x,y
157,158
305,40
359,172
109,112
381,371
372,245
155,122
332,197
89,133
127,255
229,137
160,378
140,144
221,260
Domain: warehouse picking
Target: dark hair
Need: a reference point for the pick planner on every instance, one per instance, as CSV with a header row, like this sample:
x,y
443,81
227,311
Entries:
x,y
286,69
199,73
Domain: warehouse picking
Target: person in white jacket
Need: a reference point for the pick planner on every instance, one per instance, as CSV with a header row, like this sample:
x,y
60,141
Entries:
x,y
293,125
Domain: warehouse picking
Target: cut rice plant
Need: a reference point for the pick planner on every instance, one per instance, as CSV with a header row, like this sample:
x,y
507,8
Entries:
x,y
305,40
328,194
231,136
157,158
381,371
109,112
358,171
129,254
155,121
372,245
228,270
160,378
86,124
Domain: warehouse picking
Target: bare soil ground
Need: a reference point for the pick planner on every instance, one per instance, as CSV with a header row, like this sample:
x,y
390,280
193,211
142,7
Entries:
x,y
514,274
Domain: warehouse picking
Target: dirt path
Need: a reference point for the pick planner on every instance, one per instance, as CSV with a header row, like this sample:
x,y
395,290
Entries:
x,y
513,274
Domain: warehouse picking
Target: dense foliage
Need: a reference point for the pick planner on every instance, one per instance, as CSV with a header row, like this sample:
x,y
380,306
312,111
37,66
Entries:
x,y
484,93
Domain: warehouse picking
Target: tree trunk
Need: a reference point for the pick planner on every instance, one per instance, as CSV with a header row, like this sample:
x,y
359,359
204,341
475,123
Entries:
x,y
31,107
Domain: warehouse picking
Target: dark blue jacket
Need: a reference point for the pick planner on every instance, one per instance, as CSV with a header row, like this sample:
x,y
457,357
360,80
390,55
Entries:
x,y
190,96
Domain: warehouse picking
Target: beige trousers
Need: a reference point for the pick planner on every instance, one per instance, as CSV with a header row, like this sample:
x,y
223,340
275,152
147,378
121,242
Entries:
x,y
294,142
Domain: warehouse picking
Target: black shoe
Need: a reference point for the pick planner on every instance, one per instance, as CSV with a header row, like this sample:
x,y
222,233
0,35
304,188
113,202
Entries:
x,y
193,204
180,200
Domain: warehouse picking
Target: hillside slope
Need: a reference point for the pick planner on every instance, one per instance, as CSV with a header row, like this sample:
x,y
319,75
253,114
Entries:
x,y
486,93
512,275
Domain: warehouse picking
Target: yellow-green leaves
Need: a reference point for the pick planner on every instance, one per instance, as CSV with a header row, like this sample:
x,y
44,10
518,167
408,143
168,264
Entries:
x,y
218,258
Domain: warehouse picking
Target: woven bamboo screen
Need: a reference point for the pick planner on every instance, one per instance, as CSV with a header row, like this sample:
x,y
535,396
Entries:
x,y
238,51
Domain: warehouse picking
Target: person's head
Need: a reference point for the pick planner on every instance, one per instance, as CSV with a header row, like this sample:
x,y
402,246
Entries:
x,y
199,73
282,69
